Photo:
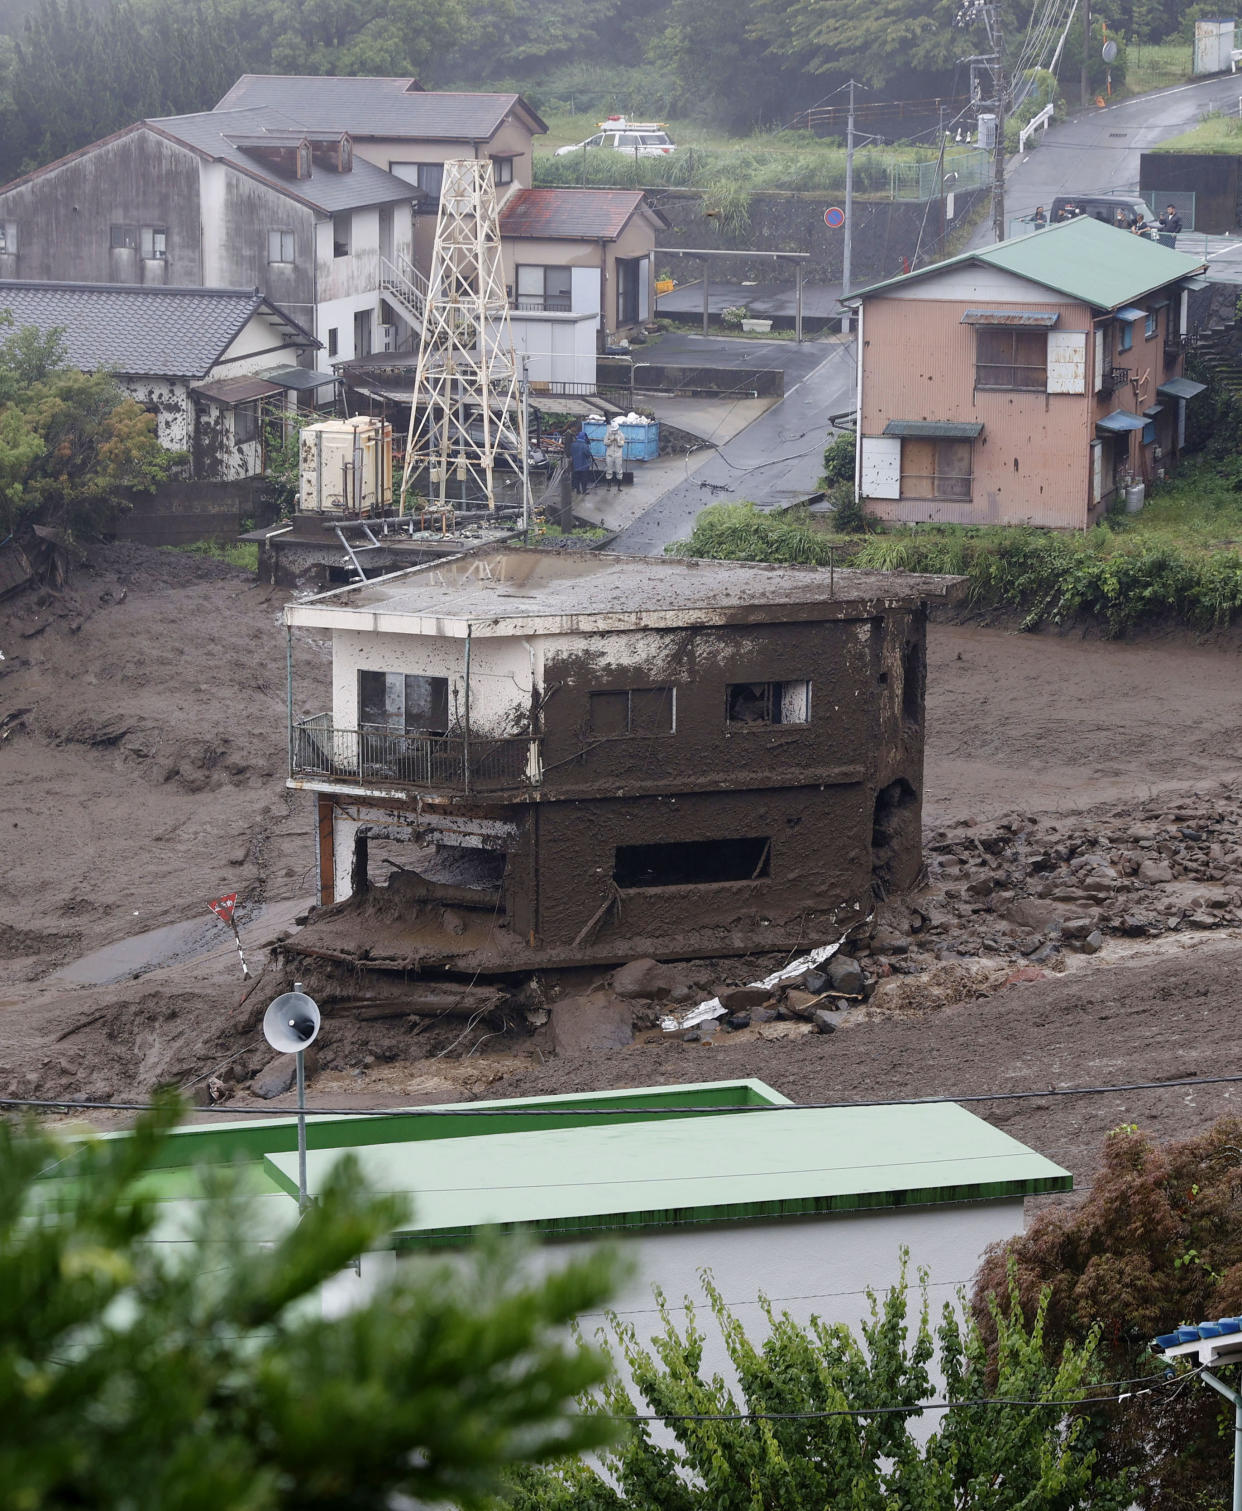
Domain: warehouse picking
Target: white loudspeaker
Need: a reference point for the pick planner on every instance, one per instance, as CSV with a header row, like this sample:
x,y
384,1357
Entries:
x,y
291,1023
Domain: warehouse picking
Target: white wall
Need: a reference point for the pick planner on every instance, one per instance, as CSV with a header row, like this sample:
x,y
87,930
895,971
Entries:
x,y
560,348
500,674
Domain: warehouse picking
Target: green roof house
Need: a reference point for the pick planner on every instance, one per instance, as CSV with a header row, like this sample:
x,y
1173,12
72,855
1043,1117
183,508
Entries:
x,y
810,1207
1030,382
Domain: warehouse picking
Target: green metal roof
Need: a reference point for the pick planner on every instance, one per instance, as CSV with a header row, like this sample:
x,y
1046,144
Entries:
x,y
724,1168
1082,258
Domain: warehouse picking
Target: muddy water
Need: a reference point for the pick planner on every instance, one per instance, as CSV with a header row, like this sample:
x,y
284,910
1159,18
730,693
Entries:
x,y
173,943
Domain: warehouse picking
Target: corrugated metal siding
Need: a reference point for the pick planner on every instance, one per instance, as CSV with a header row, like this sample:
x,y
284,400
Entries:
x,y
1031,465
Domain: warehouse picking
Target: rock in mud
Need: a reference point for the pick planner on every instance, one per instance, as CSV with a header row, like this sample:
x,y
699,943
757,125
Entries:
x,y
275,1078
845,975
581,1025
647,979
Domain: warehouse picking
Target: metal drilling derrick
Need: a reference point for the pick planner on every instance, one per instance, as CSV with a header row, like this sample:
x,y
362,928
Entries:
x,y
466,381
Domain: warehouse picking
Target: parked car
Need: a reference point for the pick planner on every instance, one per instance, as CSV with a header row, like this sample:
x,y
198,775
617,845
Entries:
x,y
643,138
1101,207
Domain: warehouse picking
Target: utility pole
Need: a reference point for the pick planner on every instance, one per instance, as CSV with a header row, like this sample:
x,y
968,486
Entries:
x,y
849,205
999,101
1086,51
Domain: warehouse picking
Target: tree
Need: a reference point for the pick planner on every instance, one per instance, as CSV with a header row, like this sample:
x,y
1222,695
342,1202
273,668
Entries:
x,y
1157,1242
71,443
987,1457
198,1375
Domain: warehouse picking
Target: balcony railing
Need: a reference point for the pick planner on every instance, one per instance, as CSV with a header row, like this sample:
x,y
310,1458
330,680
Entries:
x,y
374,756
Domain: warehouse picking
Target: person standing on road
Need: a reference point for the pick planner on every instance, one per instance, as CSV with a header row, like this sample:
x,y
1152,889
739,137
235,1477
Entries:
x,y
1170,222
580,460
614,456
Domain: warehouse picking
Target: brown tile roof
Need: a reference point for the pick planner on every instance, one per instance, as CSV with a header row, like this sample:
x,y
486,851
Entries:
x,y
590,214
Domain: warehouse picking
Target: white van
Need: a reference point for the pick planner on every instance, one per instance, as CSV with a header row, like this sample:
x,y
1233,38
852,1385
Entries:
x,y
640,138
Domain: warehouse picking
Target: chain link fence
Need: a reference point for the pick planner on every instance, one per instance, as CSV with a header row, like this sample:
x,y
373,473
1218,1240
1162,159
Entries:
x,y
970,169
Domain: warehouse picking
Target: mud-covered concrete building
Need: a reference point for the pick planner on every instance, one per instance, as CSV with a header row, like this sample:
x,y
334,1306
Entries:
x,y
193,358
540,757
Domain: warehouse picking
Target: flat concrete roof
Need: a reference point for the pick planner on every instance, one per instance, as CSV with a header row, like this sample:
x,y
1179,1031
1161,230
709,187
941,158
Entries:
x,y
515,591
724,1168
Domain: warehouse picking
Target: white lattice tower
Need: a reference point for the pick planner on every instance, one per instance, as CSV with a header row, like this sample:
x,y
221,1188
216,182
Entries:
x,y
466,381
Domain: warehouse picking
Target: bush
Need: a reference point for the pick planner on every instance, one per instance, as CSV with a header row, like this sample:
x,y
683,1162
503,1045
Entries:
x,y
740,532
839,460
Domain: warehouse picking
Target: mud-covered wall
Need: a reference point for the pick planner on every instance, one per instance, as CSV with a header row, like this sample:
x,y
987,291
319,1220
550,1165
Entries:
x,y
182,510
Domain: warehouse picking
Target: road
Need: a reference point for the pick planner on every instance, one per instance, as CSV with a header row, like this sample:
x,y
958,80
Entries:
x,y
1098,153
775,460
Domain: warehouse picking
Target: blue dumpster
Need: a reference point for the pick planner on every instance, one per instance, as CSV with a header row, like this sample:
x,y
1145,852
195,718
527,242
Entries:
x,y
642,440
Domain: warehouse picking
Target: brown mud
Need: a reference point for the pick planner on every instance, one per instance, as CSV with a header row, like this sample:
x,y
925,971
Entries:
x,y
142,717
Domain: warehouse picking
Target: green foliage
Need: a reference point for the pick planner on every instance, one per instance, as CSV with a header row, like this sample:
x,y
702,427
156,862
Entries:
x,y
740,532
991,1458
70,443
236,553
186,1367
1151,65
839,459
1157,1242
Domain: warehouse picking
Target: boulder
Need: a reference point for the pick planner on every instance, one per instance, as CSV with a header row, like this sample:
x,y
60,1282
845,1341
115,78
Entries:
x,y
597,1021
1093,943
647,979
736,999
823,1022
1153,872
276,1077
845,975
1034,914
734,1021
886,942
1077,928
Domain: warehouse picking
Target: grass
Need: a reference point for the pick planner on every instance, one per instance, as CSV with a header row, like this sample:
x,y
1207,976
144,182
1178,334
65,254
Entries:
x,y
1215,133
1156,65
728,168
1179,560
237,553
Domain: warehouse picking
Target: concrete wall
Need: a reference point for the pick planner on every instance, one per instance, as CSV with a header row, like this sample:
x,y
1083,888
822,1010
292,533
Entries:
x,y
1215,180
182,511
885,232
64,215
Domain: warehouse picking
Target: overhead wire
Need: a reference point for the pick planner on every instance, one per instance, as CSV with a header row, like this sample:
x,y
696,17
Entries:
x,y
469,1109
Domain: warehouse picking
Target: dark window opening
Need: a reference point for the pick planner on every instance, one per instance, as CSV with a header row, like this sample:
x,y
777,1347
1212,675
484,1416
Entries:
x,y
154,243
912,681
692,863
334,340
1006,358
768,703
401,704
634,711
502,167
342,229
246,424
124,238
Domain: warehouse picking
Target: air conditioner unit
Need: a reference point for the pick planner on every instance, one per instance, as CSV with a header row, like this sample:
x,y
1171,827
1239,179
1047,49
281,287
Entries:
x,y
387,338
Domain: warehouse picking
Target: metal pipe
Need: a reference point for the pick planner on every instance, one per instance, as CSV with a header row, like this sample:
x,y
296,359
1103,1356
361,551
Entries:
x,y
1231,1395
289,689
303,1196
466,734
705,310
797,301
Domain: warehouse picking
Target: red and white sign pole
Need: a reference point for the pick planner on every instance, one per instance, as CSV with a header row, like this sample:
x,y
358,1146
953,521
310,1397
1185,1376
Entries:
x,y
223,908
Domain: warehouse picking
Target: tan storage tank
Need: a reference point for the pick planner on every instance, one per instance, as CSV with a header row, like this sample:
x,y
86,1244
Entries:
x,y
346,467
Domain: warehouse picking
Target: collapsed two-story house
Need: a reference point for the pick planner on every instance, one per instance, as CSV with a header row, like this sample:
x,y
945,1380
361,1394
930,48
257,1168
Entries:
x,y
541,758
1026,382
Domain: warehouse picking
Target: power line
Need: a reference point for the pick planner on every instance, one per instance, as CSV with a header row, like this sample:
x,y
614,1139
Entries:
x,y
472,1110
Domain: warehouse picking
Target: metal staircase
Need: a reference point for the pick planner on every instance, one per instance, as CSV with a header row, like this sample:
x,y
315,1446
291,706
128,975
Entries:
x,y
404,286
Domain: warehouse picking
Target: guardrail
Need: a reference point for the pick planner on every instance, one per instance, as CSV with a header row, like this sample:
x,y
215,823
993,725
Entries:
x,y
446,763
1036,121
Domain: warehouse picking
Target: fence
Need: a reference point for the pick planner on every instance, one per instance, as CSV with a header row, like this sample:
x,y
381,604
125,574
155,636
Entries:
x,y
920,182
1182,199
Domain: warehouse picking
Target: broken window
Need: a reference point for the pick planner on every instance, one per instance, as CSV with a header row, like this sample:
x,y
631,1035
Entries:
x,y
280,246
634,711
1009,358
403,704
692,863
342,229
768,703
123,238
154,243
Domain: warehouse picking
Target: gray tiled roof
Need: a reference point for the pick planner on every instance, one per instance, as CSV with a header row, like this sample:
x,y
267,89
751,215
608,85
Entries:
x,y
365,184
148,332
379,107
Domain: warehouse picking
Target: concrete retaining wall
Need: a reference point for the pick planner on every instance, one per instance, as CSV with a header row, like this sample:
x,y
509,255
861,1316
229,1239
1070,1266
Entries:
x,y
885,232
184,511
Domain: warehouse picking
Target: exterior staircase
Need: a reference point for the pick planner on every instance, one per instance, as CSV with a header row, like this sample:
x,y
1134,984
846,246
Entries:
x,y
1219,348
406,288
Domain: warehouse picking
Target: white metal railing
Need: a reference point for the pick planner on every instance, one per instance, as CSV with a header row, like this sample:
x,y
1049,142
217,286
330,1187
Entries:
x,y
1036,121
402,281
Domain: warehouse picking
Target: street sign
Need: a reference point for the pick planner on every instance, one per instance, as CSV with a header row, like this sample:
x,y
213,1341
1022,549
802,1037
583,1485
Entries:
x,y
834,218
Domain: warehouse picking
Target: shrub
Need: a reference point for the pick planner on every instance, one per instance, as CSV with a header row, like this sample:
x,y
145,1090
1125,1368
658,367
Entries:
x,y
839,459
